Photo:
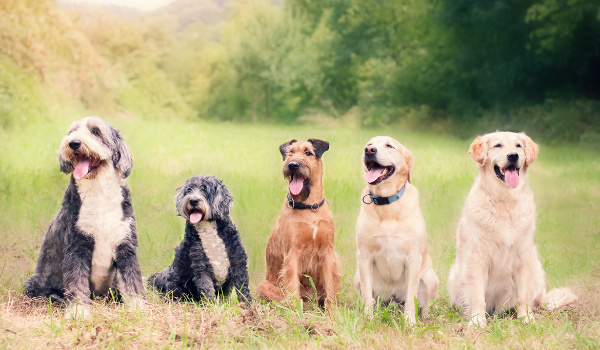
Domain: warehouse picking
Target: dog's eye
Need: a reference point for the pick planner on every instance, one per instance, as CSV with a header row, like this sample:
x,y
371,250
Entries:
x,y
96,132
498,145
203,188
308,153
518,145
389,146
188,190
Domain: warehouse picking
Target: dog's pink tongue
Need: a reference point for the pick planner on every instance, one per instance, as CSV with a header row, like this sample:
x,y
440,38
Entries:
x,y
82,168
374,174
195,217
511,178
296,185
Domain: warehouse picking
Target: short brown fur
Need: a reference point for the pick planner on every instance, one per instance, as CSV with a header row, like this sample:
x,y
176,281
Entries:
x,y
301,242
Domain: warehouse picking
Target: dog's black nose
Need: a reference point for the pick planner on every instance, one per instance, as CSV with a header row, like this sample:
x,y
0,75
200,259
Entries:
x,y
513,156
293,166
74,144
370,150
194,202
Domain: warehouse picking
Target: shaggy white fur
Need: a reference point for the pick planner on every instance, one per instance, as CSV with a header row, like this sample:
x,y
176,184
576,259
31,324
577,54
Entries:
x,y
101,216
214,248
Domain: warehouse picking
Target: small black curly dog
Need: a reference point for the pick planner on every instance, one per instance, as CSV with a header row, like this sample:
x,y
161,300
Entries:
x,y
210,260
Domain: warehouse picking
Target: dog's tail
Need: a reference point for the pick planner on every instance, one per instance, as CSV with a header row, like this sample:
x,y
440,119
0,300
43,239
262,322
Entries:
x,y
556,298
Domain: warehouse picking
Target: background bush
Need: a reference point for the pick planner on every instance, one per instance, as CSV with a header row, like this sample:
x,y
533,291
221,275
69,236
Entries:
x,y
462,67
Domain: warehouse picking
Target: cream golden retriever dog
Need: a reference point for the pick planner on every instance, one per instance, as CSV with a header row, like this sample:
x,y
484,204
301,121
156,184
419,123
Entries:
x,y
393,264
497,265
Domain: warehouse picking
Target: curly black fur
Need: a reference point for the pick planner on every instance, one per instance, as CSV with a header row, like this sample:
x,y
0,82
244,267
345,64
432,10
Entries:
x,y
191,274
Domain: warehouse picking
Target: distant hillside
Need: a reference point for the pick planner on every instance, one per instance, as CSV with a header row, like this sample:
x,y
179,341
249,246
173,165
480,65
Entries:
x,y
177,15
123,12
89,58
182,13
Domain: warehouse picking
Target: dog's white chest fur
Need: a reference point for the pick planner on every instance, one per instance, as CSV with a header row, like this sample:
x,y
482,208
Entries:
x,y
101,217
214,248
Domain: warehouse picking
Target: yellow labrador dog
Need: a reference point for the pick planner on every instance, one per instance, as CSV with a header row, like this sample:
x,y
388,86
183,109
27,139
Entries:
x,y
497,265
393,264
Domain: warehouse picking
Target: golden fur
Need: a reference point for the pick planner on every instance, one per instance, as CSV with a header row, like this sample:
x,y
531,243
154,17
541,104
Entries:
x,y
391,239
497,265
301,242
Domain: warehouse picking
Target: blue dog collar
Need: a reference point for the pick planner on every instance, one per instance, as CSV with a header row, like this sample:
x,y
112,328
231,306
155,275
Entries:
x,y
384,200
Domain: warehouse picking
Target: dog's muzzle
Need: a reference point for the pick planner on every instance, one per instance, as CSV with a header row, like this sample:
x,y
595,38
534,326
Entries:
x,y
376,173
510,173
196,213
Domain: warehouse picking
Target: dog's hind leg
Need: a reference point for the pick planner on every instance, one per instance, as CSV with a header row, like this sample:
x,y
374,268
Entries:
x,y
428,290
269,289
47,280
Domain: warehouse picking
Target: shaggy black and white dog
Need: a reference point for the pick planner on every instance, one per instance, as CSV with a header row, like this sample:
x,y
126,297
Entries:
x,y
210,260
90,246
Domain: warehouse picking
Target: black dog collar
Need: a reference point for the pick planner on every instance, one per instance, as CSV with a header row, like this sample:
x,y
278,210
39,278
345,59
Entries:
x,y
384,200
300,205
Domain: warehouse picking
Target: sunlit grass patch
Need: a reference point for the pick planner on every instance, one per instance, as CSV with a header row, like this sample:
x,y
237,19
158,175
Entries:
x,y
247,159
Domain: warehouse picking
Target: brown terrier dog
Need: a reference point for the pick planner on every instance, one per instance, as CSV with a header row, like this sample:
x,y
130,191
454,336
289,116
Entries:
x,y
302,240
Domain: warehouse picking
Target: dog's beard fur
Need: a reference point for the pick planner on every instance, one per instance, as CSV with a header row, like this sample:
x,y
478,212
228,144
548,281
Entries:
x,y
200,209
101,147
302,172
74,157
214,200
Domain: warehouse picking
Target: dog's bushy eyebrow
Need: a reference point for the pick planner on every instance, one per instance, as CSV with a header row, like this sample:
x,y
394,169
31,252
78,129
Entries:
x,y
74,126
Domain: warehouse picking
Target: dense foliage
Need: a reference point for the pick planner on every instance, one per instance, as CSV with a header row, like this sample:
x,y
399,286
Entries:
x,y
461,66
474,65
89,59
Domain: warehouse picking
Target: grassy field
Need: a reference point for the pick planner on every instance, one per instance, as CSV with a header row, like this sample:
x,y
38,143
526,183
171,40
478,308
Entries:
x,y
565,180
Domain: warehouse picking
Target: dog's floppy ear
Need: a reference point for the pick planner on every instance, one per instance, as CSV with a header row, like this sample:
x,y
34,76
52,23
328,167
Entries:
x,y
479,149
121,156
531,149
320,146
65,165
284,147
179,199
408,158
223,202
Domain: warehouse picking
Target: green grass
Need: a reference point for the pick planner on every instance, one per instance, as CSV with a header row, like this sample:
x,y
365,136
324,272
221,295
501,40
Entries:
x,y
565,180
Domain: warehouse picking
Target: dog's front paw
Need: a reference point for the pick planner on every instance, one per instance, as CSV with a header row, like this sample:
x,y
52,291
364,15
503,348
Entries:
x,y
477,321
410,319
368,304
526,316
137,304
77,311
